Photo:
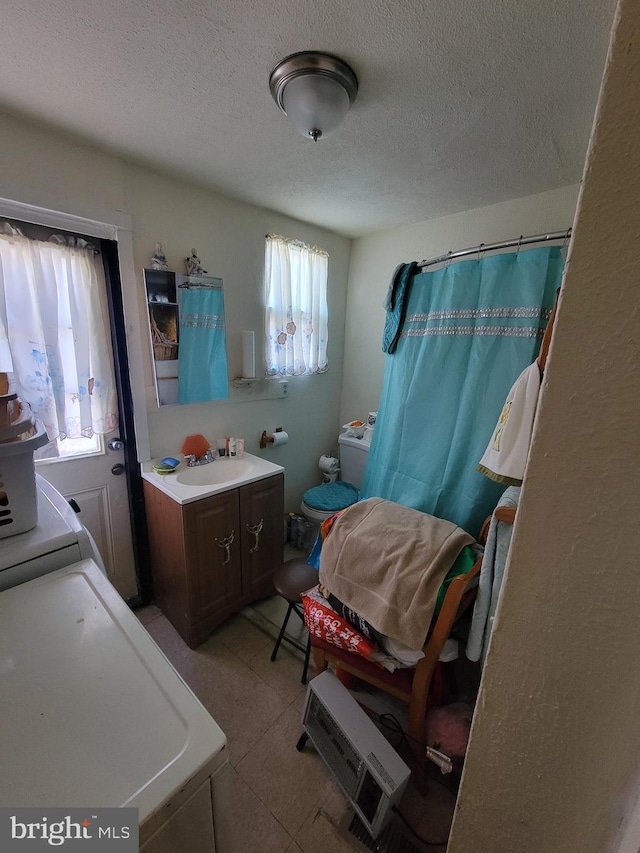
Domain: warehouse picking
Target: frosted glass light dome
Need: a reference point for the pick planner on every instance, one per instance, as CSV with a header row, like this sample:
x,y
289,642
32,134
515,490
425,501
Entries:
x,y
315,90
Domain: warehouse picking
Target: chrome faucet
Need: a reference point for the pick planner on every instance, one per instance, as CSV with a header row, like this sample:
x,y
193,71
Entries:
x,y
193,460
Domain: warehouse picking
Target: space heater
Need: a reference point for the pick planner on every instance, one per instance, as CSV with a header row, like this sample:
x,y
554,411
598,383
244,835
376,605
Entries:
x,y
366,767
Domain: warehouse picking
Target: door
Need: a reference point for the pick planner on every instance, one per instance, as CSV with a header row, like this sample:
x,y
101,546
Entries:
x,y
101,481
98,485
86,469
112,506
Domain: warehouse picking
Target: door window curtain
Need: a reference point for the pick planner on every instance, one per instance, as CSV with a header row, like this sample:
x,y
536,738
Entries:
x,y
468,330
54,332
296,308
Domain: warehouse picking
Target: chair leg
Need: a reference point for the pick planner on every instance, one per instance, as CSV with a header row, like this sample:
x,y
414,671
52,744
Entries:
x,y
417,732
449,677
281,634
319,660
306,660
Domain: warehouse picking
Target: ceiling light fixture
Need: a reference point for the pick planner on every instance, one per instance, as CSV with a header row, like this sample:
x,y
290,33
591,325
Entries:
x,y
315,90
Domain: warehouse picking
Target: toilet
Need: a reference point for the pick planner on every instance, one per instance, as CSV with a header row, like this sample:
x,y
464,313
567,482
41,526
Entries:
x,y
321,502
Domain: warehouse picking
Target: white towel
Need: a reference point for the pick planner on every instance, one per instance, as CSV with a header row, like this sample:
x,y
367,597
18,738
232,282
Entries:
x,y
505,458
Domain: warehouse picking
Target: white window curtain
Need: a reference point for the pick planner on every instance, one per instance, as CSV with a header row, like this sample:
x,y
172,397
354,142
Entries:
x,y
54,333
296,308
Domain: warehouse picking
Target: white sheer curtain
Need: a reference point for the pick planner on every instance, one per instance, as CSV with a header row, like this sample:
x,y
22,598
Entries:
x,y
54,333
296,315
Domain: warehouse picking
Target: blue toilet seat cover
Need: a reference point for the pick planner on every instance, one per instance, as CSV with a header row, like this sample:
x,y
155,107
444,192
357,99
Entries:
x,y
331,497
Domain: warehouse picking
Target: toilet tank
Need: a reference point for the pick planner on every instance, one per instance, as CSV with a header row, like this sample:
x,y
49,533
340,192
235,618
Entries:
x,y
354,453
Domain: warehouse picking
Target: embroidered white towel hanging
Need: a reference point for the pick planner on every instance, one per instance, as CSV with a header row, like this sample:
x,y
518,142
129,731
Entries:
x,y
505,458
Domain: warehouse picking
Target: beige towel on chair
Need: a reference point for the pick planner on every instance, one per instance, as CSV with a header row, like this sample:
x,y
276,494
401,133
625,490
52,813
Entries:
x,y
387,561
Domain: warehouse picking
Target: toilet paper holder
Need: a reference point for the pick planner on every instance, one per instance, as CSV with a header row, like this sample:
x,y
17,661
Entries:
x,y
266,438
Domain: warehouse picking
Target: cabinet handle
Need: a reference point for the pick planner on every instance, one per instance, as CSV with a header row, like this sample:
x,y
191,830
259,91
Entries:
x,y
226,544
256,530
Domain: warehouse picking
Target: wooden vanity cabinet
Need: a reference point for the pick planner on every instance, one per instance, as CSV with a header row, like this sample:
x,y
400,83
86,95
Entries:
x,y
211,557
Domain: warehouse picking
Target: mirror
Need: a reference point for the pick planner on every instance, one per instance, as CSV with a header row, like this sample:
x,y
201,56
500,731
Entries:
x,y
188,337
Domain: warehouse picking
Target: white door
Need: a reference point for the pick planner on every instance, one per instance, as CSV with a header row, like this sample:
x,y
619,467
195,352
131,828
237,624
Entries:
x,y
104,506
86,477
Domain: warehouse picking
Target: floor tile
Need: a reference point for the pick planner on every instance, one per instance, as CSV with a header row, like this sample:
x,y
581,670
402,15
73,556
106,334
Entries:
x,y
283,674
291,784
298,704
148,614
320,831
254,828
242,637
431,814
274,610
242,704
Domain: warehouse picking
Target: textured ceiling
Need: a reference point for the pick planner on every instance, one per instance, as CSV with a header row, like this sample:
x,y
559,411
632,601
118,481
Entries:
x,y
462,103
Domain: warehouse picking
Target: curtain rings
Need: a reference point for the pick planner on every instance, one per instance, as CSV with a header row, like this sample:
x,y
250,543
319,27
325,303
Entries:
x,y
448,259
520,238
480,252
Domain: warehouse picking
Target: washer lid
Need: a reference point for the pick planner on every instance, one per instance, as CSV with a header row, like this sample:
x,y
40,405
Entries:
x,y
93,713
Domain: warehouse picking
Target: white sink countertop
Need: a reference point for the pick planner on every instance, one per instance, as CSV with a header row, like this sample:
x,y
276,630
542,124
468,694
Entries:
x,y
186,485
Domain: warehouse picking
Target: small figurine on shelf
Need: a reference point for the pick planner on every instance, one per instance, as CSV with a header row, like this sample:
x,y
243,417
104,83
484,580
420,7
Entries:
x,y
194,267
158,259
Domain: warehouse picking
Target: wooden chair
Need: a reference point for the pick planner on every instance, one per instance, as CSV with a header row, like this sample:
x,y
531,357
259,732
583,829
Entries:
x,y
410,685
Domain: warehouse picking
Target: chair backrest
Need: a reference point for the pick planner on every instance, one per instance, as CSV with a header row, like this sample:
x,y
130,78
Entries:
x,y
460,596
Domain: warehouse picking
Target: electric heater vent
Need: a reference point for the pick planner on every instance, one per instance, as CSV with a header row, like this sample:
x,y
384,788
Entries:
x,y
365,765
391,840
339,754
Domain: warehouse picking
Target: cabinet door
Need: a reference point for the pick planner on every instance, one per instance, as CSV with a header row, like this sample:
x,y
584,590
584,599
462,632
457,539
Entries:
x,y
190,827
261,519
212,544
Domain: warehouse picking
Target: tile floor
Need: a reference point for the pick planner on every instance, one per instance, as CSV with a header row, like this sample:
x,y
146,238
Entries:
x,y
284,801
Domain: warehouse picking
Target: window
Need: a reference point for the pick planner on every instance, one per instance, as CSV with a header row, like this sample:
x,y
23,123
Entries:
x,y
54,337
296,308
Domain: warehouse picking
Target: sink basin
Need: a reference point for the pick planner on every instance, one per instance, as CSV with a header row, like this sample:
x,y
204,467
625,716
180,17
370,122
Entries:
x,y
193,484
215,473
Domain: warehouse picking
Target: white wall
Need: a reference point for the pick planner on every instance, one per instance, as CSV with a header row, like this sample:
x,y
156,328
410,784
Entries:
x,y
554,756
46,168
374,258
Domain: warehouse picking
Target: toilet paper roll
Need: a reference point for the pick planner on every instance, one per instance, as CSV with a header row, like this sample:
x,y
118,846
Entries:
x,y
328,464
280,438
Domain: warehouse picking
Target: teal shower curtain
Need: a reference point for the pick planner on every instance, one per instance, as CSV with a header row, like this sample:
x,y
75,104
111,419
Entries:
x,y
467,332
202,351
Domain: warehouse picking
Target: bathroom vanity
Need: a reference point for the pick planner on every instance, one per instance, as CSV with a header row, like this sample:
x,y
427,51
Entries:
x,y
216,538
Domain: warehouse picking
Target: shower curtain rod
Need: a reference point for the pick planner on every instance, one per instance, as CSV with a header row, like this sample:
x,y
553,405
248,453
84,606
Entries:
x,y
490,247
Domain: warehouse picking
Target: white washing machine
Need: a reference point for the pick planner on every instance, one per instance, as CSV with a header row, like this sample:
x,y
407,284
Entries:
x,y
93,714
58,539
